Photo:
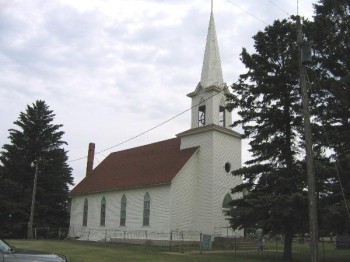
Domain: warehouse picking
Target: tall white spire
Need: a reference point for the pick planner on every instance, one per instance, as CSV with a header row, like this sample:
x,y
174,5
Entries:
x,y
211,70
208,100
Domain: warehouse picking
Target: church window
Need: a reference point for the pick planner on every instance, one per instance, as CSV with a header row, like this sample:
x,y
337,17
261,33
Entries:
x,y
146,209
226,203
85,212
201,115
222,116
123,211
227,167
103,212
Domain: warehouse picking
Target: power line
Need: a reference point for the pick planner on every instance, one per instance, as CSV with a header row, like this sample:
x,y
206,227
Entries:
x,y
278,7
256,17
146,131
249,13
136,136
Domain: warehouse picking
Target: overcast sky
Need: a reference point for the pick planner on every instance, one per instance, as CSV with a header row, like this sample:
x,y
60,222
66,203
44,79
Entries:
x,y
112,69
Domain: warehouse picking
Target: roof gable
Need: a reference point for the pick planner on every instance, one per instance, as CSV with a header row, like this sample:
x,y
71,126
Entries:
x,y
152,164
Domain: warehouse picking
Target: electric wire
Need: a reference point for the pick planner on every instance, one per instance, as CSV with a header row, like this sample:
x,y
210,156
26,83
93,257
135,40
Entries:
x,y
256,17
148,130
249,13
97,159
335,164
278,7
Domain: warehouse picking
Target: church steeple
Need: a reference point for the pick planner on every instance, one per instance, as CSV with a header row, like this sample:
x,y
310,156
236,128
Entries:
x,y
208,99
211,70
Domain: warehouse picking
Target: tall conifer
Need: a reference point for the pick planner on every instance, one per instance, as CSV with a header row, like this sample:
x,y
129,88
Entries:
x,y
330,34
269,103
37,139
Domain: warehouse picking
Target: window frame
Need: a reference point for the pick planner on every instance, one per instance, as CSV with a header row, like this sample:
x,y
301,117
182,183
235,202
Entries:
x,y
226,201
85,212
146,209
222,116
201,115
103,212
123,204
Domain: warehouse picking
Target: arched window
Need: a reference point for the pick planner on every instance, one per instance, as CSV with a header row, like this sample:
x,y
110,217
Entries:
x,y
146,209
103,212
226,203
85,212
201,113
123,210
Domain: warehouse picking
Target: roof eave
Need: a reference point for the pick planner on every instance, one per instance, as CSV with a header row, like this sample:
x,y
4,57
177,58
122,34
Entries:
x,y
117,188
200,89
207,128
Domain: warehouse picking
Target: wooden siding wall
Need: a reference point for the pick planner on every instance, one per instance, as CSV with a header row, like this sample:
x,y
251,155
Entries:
x,y
227,149
203,207
212,181
183,197
159,212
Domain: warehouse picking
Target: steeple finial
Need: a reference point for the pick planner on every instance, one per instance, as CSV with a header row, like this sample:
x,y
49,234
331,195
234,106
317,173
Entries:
x,y
211,70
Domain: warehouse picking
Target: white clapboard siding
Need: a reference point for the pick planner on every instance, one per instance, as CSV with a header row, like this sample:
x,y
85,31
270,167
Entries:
x,y
227,149
76,214
159,210
212,181
182,200
203,192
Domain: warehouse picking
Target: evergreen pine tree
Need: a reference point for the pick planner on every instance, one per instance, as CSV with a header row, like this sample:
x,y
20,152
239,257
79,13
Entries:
x,y
268,101
330,34
36,139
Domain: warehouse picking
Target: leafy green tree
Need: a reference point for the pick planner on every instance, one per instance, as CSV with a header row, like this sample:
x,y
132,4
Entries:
x,y
38,140
268,101
330,35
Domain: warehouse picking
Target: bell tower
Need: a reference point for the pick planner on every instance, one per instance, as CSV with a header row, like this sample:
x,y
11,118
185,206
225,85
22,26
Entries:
x,y
208,99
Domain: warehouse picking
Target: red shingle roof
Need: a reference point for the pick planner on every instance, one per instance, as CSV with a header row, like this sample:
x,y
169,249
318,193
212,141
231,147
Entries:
x,y
152,164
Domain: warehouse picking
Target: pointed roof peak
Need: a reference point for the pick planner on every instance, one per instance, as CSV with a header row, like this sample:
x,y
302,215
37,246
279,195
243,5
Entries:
x,y
211,70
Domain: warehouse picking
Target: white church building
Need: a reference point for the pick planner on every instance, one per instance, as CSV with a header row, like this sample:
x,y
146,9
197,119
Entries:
x,y
177,185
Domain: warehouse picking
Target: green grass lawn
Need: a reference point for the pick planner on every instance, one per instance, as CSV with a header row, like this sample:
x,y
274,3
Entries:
x,y
79,251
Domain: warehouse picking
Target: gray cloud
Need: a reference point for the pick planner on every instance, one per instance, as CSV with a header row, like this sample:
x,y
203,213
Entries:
x,y
109,70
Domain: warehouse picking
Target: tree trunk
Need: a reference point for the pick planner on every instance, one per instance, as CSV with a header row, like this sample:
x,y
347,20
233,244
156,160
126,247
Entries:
x,y
287,251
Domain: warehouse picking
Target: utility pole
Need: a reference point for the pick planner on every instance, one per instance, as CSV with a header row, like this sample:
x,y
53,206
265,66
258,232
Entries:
x,y
31,219
309,152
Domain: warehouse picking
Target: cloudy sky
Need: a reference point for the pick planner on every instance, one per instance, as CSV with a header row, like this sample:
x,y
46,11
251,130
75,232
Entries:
x,y
113,69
